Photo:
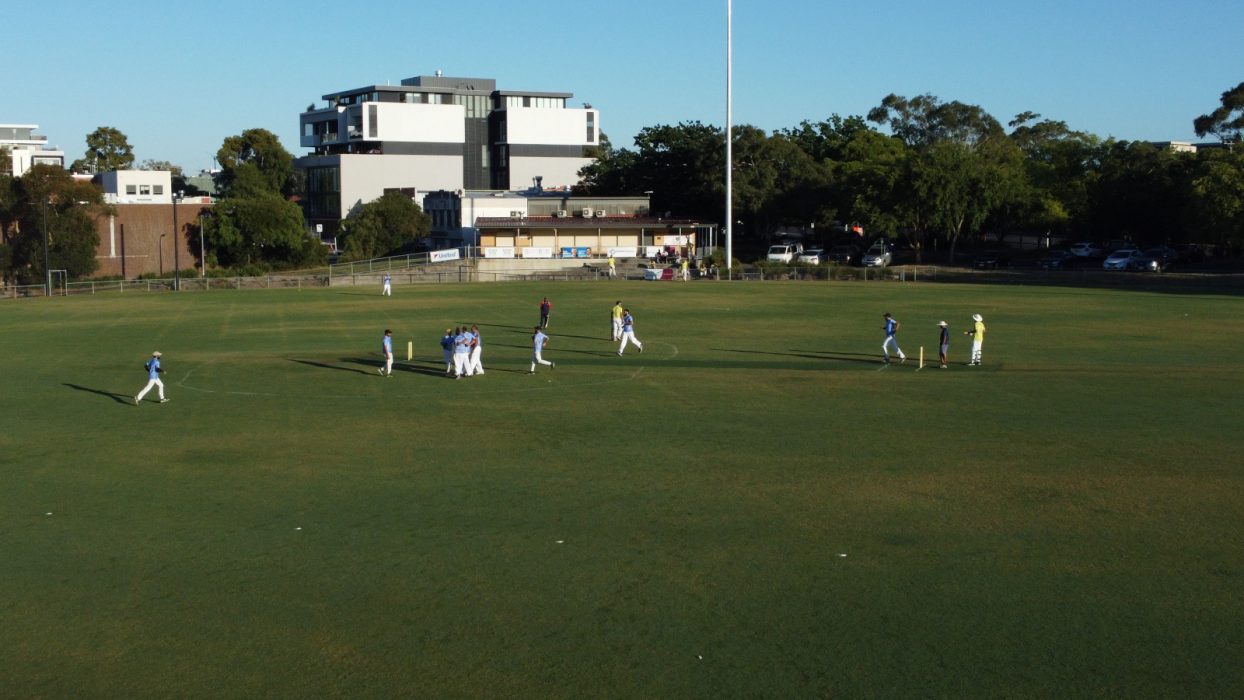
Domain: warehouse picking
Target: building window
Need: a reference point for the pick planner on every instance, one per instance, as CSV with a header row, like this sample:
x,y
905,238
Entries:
x,y
157,189
373,121
483,156
526,100
591,127
131,189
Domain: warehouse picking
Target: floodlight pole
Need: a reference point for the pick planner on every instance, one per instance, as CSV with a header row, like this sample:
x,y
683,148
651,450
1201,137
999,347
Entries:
x,y
729,134
47,268
176,244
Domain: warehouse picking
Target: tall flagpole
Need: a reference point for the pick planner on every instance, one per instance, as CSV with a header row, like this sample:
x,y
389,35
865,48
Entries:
x,y
729,136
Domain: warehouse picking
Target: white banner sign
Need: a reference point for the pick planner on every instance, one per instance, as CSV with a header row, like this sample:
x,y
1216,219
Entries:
x,y
675,240
623,252
537,252
499,252
444,255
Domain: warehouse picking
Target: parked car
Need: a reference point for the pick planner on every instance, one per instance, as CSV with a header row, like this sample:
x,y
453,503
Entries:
x,y
1085,249
990,260
812,256
877,256
1059,260
844,255
1190,253
1155,260
783,252
1120,259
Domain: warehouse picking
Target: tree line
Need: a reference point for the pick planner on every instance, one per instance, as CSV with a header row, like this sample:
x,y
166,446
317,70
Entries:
x,y
939,173
931,172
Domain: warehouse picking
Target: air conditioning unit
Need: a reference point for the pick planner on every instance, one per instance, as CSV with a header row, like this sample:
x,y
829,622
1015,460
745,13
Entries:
x,y
600,213
561,213
587,212
516,215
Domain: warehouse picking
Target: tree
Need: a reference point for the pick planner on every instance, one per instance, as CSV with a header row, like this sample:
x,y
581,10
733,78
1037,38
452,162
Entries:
x,y
924,119
255,162
48,196
260,233
107,149
150,164
382,226
1226,122
1218,197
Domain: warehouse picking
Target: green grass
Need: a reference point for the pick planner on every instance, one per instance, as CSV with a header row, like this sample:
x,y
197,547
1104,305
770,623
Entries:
x,y
753,507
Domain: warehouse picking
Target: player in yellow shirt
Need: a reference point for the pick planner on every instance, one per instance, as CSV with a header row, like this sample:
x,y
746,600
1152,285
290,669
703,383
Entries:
x,y
615,317
978,339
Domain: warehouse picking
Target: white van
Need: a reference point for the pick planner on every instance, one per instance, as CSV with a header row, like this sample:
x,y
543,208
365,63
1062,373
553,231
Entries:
x,y
784,252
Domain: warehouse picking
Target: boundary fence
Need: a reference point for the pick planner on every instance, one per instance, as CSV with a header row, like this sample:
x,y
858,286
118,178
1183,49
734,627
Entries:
x,y
460,273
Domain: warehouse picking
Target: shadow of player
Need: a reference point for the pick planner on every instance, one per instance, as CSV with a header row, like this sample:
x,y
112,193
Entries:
x,y
119,398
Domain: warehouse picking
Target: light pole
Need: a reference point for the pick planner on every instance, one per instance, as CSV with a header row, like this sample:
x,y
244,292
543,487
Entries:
x,y
47,268
729,132
162,235
176,244
202,250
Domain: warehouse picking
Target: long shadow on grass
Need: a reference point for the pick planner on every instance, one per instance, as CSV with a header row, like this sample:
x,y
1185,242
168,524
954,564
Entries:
x,y
119,398
325,365
828,355
528,329
559,351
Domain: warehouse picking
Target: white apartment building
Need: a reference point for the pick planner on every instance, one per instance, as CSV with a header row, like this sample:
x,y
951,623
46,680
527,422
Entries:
x,y
438,133
26,149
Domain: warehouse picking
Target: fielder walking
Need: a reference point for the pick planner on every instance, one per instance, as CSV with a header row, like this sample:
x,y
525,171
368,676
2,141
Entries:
x,y
546,307
153,379
628,332
943,343
388,286
978,339
386,349
538,342
891,327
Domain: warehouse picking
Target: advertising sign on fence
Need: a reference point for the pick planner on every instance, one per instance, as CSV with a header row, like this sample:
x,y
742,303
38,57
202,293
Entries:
x,y
443,255
537,252
623,252
499,252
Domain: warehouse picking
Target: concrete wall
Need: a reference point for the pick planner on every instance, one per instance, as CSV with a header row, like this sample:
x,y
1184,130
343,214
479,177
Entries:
x,y
417,123
557,172
139,236
365,177
116,186
550,127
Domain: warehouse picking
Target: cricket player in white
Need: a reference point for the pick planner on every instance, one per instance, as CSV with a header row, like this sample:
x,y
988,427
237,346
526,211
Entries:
x,y
628,332
615,320
153,379
462,353
388,286
978,338
386,349
477,348
538,341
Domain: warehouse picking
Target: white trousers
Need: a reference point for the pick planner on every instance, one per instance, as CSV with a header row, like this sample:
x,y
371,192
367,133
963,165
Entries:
x,y
388,291
630,336
537,360
462,364
616,333
976,351
885,347
476,366
388,363
153,383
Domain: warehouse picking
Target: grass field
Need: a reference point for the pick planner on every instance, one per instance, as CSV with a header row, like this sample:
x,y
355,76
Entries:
x,y
753,507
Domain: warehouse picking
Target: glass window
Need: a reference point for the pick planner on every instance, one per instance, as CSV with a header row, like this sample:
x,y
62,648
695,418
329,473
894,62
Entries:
x,y
131,189
157,189
373,121
144,189
526,101
483,156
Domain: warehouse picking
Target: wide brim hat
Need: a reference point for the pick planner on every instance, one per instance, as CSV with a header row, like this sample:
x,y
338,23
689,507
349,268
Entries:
x,y
157,353
977,317
942,324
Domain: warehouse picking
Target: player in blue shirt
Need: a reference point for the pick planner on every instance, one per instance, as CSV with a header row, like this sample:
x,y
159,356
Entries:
x,y
386,349
447,350
628,332
153,379
891,327
538,341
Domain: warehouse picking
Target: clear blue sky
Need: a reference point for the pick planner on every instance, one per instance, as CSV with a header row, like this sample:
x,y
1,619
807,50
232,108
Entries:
x,y
177,78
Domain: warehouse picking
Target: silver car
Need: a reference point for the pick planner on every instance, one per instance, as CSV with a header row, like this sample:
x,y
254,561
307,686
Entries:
x,y
877,256
1120,259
